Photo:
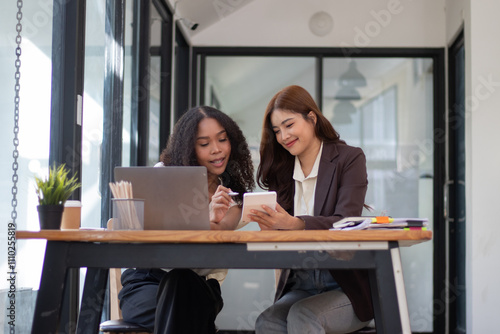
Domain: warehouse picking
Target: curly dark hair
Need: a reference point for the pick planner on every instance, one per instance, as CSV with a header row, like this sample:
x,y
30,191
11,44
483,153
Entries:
x,y
180,149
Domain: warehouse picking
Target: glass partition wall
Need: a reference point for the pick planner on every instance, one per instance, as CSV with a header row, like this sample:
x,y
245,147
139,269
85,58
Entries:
x,y
383,105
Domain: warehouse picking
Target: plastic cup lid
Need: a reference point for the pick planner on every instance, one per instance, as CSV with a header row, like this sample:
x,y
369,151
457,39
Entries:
x,y
72,203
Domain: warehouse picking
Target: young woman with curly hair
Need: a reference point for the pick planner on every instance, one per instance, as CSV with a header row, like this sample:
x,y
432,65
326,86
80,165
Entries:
x,y
205,136
183,300
319,180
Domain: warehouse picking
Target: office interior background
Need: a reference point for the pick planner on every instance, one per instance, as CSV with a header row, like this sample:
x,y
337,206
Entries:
x,y
414,83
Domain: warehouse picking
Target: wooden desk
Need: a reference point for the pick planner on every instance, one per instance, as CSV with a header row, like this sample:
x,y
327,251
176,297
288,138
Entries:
x,y
376,251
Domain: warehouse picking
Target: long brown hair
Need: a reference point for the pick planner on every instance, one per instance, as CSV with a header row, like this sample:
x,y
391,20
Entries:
x,y
275,170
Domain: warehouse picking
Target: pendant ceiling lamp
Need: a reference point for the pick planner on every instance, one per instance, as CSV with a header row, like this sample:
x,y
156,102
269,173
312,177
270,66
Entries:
x,y
349,82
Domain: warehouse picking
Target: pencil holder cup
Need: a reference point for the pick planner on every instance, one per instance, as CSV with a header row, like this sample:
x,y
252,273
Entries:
x,y
128,214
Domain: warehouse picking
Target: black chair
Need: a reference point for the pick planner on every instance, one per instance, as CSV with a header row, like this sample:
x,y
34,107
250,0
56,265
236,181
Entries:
x,y
117,324
365,330
121,326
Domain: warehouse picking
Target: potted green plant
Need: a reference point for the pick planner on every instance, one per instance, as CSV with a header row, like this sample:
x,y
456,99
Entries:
x,y
52,192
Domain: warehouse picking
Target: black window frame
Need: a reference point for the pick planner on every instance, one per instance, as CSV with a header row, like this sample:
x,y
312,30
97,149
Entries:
x,y
68,50
455,187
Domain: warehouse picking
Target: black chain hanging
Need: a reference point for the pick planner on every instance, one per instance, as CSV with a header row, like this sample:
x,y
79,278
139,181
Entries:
x,y
17,88
12,225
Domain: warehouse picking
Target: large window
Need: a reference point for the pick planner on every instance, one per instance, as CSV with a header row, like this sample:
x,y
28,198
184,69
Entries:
x,y
97,99
34,134
93,111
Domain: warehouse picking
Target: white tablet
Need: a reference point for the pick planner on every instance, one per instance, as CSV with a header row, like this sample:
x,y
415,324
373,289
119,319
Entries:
x,y
254,201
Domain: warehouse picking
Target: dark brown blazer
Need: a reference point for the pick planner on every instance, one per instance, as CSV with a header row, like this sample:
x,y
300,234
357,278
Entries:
x,y
340,192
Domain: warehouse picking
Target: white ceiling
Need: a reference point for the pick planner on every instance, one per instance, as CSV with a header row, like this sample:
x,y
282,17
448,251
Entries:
x,y
280,23
204,12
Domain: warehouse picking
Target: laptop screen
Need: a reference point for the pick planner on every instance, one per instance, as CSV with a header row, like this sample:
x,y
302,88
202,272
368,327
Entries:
x,y
175,198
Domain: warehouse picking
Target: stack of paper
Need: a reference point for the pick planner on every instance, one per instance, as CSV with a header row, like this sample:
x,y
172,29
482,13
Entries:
x,y
368,222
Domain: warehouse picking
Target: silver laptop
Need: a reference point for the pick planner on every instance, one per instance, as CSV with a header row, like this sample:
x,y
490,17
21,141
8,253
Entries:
x,y
175,198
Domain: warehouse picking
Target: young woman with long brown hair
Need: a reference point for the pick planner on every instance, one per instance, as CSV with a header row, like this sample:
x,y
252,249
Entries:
x,y
319,180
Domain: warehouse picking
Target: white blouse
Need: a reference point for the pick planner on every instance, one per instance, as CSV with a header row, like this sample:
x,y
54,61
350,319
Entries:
x,y
305,187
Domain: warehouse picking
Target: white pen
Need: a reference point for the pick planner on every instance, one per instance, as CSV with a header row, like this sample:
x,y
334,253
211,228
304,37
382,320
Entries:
x,y
233,193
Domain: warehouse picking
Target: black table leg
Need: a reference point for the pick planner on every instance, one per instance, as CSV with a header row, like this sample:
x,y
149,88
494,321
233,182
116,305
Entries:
x,y
92,300
71,305
50,296
384,294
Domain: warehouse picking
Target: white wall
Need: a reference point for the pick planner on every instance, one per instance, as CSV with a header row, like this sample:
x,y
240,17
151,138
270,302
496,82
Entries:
x,y
374,23
455,14
483,163
482,73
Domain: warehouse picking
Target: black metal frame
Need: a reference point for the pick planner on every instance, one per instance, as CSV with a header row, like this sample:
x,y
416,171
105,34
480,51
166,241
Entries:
x,y
111,151
319,81
141,60
139,130
454,116
60,256
165,54
166,83
438,56
68,52
439,233
182,59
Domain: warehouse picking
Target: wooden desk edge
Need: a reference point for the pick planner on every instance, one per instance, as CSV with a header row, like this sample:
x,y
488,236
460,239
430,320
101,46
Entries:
x,y
406,238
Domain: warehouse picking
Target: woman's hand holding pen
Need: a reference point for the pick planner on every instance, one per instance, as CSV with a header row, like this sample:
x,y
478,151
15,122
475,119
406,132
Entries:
x,y
221,202
277,219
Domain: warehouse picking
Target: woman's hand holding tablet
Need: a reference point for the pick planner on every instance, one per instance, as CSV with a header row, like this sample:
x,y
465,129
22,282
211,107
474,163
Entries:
x,y
254,201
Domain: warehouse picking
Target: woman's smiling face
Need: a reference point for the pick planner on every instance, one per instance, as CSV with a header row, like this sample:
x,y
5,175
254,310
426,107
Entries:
x,y
292,131
212,146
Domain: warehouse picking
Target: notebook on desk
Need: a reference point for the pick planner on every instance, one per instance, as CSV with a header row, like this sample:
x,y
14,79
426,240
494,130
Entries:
x,y
175,198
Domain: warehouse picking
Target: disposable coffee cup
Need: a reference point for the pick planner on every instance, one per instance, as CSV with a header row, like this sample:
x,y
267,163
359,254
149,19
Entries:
x,y
71,217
